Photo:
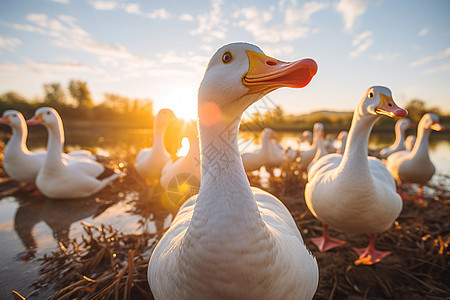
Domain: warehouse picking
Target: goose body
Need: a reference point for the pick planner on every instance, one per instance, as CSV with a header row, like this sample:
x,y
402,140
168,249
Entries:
x,y
184,170
150,161
270,154
399,143
60,177
231,241
415,166
20,163
354,193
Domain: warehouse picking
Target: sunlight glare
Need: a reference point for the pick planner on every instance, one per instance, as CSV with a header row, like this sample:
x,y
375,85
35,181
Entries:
x,y
182,101
183,151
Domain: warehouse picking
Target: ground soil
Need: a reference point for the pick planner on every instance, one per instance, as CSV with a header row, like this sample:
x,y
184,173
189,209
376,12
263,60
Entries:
x,y
108,264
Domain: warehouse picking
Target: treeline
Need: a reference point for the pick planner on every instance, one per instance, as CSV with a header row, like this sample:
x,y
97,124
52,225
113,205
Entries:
x,y
75,103
333,121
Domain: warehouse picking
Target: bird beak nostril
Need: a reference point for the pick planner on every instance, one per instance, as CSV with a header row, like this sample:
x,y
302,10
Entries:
x,y
271,62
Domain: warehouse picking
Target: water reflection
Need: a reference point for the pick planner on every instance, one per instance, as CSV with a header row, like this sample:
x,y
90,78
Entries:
x,y
57,215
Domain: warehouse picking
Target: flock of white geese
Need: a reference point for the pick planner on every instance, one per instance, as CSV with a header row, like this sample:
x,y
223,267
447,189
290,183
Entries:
x,y
232,241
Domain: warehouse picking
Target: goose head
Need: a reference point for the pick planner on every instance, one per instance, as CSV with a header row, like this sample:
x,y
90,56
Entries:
x,y
430,122
46,116
377,101
318,130
268,134
163,118
239,74
14,119
306,137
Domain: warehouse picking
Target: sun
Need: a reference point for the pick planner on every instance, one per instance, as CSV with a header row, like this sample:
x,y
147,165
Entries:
x,y
182,101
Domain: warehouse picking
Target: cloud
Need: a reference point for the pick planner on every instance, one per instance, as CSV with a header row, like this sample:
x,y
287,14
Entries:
x,y
130,8
46,68
303,15
134,8
61,1
7,66
9,43
211,26
430,58
186,17
423,31
361,37
277,50
439,69
386,56
258,22
351,10
362,42
103,5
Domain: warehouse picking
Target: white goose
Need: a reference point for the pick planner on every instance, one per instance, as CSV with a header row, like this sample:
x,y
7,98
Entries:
x,y
270,154
399,143
306,138
415,166
20,163
321,149
60,177
307,154
150,161
231,241
352,192
182,176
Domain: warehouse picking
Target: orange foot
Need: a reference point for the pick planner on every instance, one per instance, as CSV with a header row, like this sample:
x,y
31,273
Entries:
x,y
325,243
369,257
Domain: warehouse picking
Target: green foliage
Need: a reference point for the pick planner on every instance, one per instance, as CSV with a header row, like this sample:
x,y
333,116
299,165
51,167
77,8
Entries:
x,y
54,95
80,93
13,100
416,109
115,110
333,121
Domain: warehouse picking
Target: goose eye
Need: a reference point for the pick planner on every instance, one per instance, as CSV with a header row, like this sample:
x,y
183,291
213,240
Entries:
x,y
48,113
371,94
227,57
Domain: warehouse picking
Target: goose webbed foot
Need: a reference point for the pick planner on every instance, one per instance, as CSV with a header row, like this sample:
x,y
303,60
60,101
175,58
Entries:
x,y
325,242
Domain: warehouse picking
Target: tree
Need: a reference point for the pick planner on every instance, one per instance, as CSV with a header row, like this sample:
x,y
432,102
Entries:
x,y
416,109
278,113
54,94
80,93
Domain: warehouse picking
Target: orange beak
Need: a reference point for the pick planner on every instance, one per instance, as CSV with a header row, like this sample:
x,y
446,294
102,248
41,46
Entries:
x,y
4,120
266,74
388,108
437,127
37,119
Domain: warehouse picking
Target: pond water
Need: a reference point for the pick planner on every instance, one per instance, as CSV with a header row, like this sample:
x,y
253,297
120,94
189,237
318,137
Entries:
x,y
31,226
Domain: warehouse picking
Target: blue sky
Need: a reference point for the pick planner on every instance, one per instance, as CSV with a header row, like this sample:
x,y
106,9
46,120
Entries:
x,y
159,49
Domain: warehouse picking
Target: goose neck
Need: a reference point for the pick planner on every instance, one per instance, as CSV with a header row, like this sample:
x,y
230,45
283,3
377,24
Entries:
x,y
158,138
55,145
356,148
225,202
399,137
17,143
422,142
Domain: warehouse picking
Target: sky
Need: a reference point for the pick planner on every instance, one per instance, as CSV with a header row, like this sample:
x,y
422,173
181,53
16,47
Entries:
x,y
159,49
